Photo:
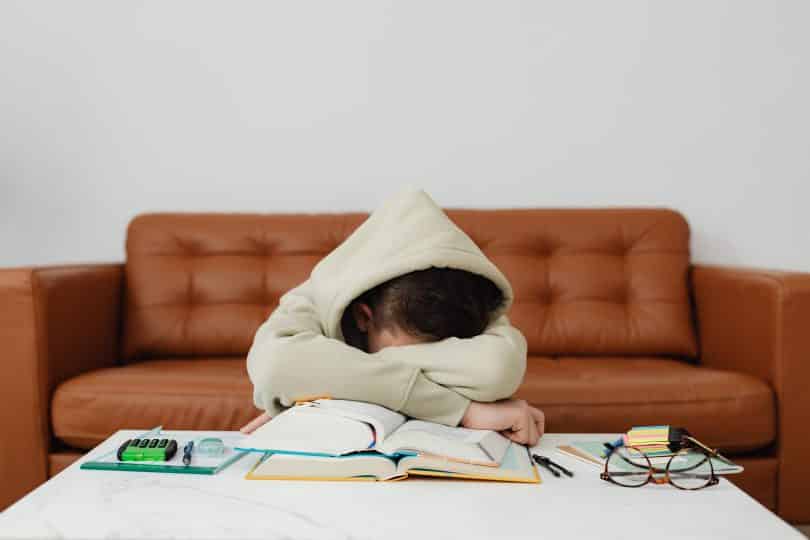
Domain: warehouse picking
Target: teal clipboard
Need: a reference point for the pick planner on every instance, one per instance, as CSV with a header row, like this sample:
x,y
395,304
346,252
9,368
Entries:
x,y
199,464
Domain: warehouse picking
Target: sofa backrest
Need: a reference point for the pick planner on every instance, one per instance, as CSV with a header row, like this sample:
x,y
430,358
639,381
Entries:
x,y
587,281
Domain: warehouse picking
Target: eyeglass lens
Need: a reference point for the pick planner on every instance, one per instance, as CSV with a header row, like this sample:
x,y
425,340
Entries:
x,y
690,470
628,466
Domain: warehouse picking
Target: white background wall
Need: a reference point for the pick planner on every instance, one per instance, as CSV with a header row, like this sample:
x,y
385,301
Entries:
x,y
108,109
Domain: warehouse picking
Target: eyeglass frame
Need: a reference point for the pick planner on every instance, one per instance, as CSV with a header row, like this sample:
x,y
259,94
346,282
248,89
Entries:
x,y
686,444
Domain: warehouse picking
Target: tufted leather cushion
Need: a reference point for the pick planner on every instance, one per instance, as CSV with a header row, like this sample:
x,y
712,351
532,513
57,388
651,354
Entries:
x,y
586,281
201,284
592,281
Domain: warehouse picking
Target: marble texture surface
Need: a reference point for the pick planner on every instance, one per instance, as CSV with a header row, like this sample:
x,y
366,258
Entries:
x,y
111,504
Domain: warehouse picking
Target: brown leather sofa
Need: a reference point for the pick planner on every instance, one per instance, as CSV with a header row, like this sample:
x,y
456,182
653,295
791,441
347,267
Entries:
x,y
622,330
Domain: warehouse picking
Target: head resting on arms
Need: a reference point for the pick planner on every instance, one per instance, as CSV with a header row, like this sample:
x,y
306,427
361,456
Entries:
x,y
421,306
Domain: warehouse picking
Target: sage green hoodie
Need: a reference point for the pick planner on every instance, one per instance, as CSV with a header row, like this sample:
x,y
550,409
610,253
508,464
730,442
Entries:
x,y
300,351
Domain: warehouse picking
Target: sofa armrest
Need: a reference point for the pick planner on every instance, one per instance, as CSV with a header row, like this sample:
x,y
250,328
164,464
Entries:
x,y
55,322
757,321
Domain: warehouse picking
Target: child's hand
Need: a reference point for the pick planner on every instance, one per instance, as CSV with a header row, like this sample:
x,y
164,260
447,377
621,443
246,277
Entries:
x,y
255,423
514,418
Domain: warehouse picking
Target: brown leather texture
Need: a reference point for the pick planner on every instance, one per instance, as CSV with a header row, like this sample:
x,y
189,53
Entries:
x,y
621,329
733,411
725,409
55,323
759,479
59,461
757,321
178,393
586,281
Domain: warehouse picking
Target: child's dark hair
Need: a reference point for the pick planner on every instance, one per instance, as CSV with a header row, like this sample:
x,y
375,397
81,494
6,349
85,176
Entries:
x,y
431,304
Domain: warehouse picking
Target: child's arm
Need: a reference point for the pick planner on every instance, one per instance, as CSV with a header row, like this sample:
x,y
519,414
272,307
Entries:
x,y
292,359
486,367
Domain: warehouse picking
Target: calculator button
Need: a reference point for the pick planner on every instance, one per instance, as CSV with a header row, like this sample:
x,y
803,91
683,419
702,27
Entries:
x,y
171,449
163,443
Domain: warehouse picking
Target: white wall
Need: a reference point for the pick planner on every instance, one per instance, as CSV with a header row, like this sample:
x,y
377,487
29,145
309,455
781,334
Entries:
x,y
108,109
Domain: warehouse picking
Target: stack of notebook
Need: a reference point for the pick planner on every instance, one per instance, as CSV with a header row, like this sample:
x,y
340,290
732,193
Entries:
x,y
330,439
652,440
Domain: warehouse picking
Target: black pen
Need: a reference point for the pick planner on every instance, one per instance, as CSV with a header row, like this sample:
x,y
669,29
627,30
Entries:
x,y
542,462
563,469
187,453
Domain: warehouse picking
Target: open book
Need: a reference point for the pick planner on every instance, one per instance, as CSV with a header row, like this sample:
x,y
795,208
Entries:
x,y
333,427
515,467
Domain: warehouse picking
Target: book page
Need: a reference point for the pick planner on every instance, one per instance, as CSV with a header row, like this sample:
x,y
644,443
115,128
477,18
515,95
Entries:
x,y
492,443
465,435
456,443
517,466
383,420
310,430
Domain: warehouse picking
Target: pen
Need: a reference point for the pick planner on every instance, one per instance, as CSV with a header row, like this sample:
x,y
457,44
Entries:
x,y
187,453
554,463
542,462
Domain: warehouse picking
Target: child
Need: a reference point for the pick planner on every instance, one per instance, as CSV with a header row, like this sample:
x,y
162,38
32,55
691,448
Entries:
x,y
407,313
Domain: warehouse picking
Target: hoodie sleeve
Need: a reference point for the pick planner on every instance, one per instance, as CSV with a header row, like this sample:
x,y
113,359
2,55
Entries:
x,y
292,359
486,367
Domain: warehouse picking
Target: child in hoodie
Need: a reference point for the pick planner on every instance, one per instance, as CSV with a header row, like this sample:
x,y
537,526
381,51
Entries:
x,y
407,313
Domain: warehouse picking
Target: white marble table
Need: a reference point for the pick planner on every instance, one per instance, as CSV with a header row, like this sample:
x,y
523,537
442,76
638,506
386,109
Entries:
x,y
80,503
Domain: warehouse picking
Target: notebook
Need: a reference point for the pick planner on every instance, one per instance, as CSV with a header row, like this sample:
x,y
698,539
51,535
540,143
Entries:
x,y
516,466
593,452
332,428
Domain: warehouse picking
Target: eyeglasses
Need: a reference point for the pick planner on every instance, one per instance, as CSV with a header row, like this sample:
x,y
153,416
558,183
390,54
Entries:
x,y
690,467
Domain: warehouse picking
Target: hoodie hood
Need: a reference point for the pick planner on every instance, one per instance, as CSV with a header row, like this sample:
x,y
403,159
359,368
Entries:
x,y
408,232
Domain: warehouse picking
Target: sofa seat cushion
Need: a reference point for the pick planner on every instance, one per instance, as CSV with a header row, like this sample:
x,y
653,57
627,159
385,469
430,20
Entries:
x,y
199,393
731,411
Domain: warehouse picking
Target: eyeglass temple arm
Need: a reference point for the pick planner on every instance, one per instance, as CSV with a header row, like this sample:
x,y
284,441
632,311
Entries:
x,y
712,452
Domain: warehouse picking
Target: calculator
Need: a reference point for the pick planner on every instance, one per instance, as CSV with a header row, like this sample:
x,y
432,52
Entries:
x,y
147,450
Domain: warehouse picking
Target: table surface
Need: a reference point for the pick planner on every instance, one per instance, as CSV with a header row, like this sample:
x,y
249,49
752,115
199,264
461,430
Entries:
x,y
80,503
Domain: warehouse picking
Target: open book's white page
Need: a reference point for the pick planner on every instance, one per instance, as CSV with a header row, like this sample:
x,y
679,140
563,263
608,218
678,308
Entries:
x,y
384,420
516,466
471,445
311,430
465,435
